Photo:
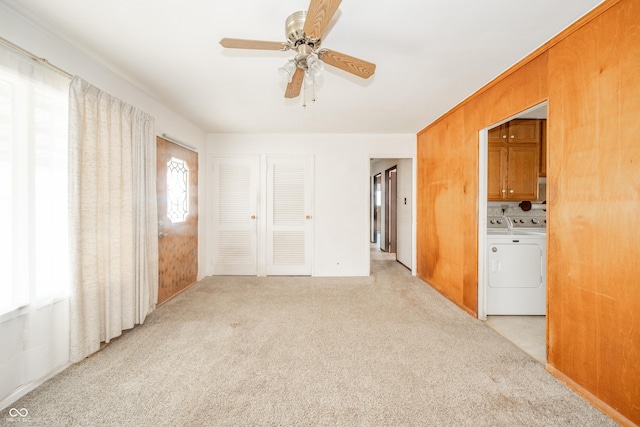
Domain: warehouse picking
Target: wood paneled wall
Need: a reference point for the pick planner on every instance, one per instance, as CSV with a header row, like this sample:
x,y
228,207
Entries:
x,y
590,75
447,241
594,196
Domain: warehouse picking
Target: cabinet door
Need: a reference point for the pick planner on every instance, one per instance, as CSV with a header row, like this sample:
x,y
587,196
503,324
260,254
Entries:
x,y
524,131
522,173
498,134
497,159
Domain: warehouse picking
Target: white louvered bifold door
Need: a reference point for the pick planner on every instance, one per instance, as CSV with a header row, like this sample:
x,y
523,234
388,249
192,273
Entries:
x,y
235,195
289,215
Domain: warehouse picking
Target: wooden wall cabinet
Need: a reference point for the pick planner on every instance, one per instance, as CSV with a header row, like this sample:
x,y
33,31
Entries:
x,y
518,131
514,161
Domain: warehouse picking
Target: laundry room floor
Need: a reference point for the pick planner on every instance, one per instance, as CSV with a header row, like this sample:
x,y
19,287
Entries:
x,y
526,332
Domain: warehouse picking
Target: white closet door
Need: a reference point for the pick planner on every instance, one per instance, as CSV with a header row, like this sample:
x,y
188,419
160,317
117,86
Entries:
x,y
289,215
235,195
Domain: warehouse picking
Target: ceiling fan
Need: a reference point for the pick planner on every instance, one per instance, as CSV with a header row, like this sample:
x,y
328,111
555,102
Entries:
x,y
304,36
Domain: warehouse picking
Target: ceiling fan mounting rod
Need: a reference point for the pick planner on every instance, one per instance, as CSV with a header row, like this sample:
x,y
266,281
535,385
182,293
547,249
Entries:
x,y
304,51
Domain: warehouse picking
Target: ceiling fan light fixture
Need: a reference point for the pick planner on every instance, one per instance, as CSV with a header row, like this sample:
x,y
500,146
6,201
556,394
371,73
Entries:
x,y
287,70
309,80
304,31
314,65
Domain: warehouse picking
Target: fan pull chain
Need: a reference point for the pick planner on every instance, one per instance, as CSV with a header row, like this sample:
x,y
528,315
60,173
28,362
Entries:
x,y
304,91
304,96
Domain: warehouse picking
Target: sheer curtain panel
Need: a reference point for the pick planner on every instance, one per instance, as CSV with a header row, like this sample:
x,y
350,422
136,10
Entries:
x,y
113,217
34,262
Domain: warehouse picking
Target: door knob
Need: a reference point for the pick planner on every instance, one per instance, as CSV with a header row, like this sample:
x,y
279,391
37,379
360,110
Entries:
x,y
253,217
162,234
308,216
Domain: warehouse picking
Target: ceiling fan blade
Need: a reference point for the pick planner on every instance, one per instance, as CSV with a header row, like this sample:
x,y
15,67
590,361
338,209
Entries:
x,y
253,44
294,87
318,16
348,63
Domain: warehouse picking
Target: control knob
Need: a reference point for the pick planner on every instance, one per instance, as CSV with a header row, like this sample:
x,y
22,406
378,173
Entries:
x,y
534,220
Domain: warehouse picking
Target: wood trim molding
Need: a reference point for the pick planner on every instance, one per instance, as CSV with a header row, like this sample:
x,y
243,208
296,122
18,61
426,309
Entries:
x,y
591,398
590,16
450,299
180,292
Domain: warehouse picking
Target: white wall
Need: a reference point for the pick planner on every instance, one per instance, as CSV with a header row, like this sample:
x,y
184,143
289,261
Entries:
x,y
405,212
34,39
404,250
342,171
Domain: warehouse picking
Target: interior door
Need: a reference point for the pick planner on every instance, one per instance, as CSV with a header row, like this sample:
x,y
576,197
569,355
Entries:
x,y
289,215
391,210
234,216
177,192
377,203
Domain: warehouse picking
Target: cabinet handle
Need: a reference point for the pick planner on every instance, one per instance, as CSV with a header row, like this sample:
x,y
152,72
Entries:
x,y
511,191
513,136
504,136
504,191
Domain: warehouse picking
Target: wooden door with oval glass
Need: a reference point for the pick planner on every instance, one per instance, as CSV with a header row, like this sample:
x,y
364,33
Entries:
x,y
177,191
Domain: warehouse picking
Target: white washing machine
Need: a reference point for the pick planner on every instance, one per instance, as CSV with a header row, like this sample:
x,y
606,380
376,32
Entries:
x,y
517,269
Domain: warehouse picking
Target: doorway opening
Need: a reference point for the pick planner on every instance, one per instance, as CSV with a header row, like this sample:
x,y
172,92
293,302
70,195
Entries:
x,y
392,211
526,331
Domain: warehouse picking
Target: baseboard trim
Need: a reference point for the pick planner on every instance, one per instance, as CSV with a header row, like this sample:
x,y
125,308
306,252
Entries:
x,y
24,389
591,398
176,294
451,300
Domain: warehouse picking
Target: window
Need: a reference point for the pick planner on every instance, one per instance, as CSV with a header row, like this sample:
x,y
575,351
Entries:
x,y
33,185
177,190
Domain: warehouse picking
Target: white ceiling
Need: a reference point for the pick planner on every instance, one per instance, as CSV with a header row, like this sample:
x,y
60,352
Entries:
x,y
430,55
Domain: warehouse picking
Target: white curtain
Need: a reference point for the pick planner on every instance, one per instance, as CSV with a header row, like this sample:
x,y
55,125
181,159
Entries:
x,y
34,273
113,217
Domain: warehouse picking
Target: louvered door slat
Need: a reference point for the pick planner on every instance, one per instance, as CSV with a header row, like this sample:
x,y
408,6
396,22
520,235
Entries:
x,y
288,248
234,213
289,216
235,193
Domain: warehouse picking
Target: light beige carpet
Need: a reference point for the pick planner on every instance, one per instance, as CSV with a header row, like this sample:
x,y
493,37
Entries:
x,y
386,350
